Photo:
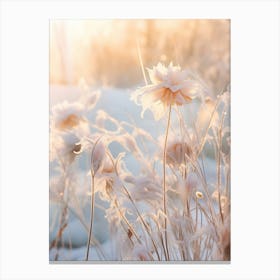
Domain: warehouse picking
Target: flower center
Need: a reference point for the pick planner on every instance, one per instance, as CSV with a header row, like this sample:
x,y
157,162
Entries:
x,y
69,122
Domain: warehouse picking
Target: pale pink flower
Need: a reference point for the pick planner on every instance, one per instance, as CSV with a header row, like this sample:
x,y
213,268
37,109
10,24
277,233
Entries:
x,y
67,115
69,130
169,85
177,151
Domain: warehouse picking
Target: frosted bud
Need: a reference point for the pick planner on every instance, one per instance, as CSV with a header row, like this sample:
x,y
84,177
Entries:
x,y
98,156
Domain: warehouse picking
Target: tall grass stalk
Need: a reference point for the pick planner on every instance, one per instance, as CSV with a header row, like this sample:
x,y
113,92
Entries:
x,y
164,183
91,216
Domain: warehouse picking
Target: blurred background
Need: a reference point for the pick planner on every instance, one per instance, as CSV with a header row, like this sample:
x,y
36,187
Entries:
x,y
105,52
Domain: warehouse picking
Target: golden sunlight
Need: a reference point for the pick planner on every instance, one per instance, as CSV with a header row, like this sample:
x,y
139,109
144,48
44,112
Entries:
x,y
100,51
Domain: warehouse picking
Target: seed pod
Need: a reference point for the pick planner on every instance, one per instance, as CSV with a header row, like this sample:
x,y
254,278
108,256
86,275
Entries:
x,y
199,195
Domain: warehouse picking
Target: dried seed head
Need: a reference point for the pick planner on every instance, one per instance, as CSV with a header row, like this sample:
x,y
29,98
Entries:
x,y
109,186
176,151
77,148
129,233
199,195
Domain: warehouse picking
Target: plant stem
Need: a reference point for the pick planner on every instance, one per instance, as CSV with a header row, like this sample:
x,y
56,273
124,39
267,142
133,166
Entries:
x,y
127,222
91,215
142,220
164,182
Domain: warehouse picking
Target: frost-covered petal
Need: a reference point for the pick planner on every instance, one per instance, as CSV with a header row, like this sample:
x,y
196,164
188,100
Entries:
x,y
182,99
157,74
170,85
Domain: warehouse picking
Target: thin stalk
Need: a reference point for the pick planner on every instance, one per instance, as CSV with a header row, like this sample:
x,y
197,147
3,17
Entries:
x,y
196,214
92,241
182,251
164,182
219,166
91,215
62,221
201,145
142,220
127,222
93,172
205,187
141,62
219,184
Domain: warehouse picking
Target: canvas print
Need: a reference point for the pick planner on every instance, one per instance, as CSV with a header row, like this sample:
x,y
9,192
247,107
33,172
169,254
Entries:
x,y
139,140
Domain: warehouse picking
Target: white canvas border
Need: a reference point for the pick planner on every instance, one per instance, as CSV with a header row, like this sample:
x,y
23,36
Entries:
x,y
255,137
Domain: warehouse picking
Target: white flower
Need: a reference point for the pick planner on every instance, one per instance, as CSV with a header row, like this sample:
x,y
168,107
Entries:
x,y
141,253
169,85
176,151
66,145
67,115
69,129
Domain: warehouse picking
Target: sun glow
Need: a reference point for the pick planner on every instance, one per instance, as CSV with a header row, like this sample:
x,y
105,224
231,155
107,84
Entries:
x,y
99,50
